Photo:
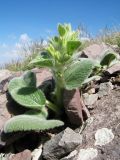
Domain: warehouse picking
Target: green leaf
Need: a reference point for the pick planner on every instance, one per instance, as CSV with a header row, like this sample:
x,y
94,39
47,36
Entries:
x,y
42,61
24,92
108,59
30,123
77,73
72,46
43,114
27,80
29,97
61,30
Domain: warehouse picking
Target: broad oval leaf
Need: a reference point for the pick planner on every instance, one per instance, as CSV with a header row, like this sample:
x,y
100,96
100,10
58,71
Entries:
x,y
17,82
29,123
77,73
23,90
43,114
72,46
42,61
29,97
108,59
28,79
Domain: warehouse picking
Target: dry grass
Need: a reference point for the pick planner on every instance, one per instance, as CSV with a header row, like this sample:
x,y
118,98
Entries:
x,y
109,36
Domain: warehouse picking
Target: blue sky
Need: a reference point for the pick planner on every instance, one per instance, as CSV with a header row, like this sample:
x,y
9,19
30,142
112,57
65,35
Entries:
x,y
24,20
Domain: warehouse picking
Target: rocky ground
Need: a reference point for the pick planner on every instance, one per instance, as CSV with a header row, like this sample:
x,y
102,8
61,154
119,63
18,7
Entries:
x,y
97,139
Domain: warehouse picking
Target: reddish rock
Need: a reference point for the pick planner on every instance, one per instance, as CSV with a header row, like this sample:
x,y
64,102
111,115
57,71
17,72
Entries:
x,y
42,75
114,68
95,51
4,74
73,106
25,155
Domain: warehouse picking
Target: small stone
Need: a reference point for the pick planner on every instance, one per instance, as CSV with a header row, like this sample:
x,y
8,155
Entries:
x,y
91,91
114,68
71,156
105,89
36,154
103,136
61,144
90,99
25,155
87,154
4,74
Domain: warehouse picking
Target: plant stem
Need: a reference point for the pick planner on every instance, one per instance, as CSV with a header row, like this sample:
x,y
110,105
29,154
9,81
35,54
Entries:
x,y
59,95
53,107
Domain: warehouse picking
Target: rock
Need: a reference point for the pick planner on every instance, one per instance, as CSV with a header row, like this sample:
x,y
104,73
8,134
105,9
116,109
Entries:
x,y
24,155
91,91
71,156
87,154
103,136
4,74
42,75
61,144
105,89
4,156
90,99
114,68
37,153
4,114
106,114
115,48
96,51
73,106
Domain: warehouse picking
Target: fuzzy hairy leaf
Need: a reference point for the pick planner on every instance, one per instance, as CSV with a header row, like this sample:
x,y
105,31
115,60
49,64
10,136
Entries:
x,y
23,90
28,79
77,73
28,123
29,97
72,46
17,82
42,61
43,114
108,59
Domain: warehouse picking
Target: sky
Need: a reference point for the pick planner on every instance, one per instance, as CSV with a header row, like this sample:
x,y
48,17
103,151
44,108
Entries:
x,y
22,21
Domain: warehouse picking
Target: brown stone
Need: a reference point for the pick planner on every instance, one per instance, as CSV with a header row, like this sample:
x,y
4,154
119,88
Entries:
x,y
73,106
25,155
42,75
114,68
95,51
4,74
